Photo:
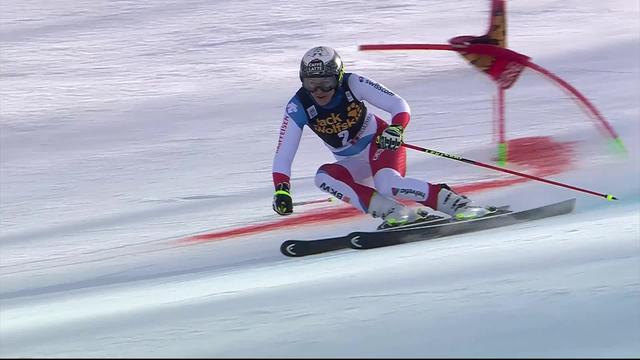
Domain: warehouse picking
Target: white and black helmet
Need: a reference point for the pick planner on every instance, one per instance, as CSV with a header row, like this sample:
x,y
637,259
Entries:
x,y
321,61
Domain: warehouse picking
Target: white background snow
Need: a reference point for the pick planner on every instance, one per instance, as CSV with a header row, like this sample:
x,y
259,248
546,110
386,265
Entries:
x,y
127,125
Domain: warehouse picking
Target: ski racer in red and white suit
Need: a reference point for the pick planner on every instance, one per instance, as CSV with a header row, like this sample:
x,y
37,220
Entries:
x,y
370,169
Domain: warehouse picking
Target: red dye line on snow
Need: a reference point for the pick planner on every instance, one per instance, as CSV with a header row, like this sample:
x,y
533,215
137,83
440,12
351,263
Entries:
x,y
289,221
544,156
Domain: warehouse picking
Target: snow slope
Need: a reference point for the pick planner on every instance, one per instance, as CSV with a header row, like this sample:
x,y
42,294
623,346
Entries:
x,y
126,126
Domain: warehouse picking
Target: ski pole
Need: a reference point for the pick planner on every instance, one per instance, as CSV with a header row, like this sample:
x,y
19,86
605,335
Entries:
x,y
477,163
309,202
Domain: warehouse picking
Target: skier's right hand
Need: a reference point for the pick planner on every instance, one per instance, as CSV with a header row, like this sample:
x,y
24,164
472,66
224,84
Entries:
x,y
282,201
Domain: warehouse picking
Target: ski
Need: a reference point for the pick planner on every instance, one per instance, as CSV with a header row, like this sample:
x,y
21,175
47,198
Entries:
x,y
297,248
425,230
393,237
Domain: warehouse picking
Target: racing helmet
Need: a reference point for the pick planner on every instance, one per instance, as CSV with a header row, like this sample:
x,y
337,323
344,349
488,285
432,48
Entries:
x,y
322,62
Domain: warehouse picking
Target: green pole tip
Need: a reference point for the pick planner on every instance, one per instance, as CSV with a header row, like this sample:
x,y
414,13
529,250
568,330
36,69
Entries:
x,y
502,154
619,146
611,197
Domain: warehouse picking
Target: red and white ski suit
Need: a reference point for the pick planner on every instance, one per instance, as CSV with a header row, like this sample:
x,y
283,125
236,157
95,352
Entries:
x,y
349,131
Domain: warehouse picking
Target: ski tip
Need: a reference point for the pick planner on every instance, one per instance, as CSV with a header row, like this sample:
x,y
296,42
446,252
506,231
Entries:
x,y
288,248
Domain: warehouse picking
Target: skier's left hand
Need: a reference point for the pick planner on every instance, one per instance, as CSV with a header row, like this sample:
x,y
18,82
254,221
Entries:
x,y
391,137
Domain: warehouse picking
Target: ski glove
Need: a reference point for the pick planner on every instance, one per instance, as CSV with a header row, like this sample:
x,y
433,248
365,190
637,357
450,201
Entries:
x,y
282,201
391,138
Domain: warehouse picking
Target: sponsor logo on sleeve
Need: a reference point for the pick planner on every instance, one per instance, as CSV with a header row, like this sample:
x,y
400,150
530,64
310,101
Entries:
x,y
379,87
283,130
291,108
376,156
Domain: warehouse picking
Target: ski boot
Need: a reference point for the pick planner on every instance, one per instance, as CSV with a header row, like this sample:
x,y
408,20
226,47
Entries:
x,y
458,206
395,214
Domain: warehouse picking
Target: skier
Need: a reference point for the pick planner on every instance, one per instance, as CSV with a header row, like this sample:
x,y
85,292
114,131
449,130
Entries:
x,y
370,169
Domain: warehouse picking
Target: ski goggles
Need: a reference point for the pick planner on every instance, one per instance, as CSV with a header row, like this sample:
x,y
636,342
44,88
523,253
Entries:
x,y
325,84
